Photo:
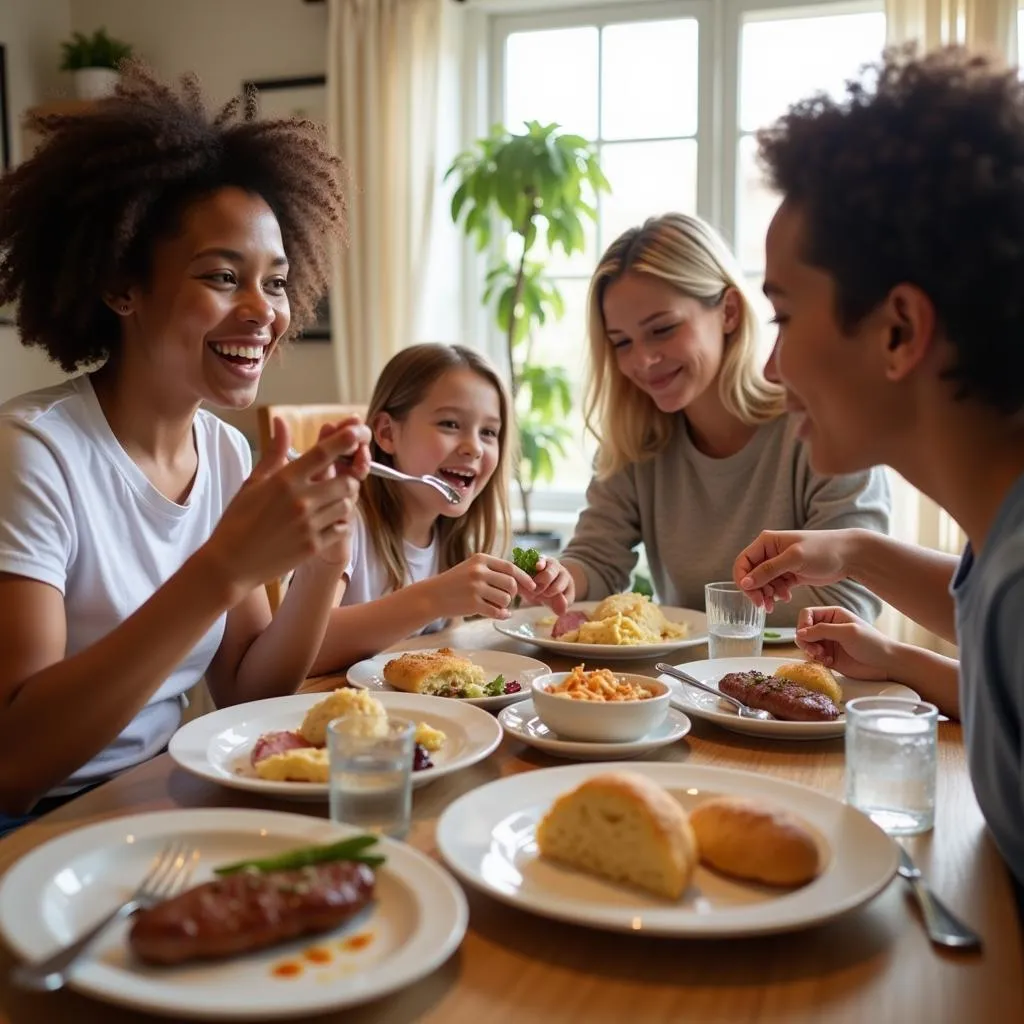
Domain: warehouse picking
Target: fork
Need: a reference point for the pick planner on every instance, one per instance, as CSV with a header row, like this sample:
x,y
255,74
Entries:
x,y
743,710
943,926
444,488
172,868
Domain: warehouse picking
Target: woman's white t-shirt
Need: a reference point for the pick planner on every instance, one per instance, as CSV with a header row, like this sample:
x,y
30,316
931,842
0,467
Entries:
x,y
77,513
367,577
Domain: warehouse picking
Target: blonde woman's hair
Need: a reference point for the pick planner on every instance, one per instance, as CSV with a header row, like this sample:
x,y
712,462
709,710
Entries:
x,y
691,256
486,526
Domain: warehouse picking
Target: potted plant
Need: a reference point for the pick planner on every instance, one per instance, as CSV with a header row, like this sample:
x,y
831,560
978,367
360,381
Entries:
x,y
520,188
93,60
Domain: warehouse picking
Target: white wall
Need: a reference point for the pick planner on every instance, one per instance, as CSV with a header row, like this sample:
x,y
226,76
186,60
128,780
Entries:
x,y
31,31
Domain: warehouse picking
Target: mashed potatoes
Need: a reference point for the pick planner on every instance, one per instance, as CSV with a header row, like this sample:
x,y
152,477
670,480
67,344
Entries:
x,y
626,619
343,702
306,764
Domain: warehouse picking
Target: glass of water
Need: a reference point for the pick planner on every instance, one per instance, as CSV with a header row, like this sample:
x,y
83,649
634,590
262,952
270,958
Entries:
x,y
371,772
891,754
735,623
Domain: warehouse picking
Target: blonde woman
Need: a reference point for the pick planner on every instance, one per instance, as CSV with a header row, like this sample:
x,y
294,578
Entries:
x,y
696,454
417,560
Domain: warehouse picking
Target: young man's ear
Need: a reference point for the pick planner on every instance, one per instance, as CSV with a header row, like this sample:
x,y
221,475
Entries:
x,y
383,427
909,322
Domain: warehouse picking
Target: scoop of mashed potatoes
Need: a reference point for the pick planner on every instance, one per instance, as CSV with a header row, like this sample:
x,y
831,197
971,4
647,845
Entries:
x,y
305,764
343,702
626,619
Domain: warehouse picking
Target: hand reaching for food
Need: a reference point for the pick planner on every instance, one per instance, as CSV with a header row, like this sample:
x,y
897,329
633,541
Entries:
x,y
840,640
554,585
481,585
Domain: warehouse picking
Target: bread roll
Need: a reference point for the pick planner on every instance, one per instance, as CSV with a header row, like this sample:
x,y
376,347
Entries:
x,y
814,677
755,842
429,671
625,828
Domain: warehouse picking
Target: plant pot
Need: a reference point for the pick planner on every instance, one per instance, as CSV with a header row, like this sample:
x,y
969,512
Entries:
x,y
547,542
95,83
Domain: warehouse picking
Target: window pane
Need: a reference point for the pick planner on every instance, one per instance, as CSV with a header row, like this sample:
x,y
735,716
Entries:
x,y
647,179
649,79
756,205
552,76
564,343
784,60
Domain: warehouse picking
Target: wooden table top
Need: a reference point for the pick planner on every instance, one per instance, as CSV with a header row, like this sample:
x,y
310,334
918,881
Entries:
x,y
873,964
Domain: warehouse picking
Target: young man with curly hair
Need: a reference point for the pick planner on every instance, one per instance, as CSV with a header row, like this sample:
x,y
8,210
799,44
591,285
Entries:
x,y
896,268
166,254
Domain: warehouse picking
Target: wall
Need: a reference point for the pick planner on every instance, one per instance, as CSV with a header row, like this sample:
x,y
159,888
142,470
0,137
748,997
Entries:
x,y
31,31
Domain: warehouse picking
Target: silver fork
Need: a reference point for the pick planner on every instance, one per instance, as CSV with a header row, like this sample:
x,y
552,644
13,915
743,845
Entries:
x,y
444,488
943,926
172,868
743,710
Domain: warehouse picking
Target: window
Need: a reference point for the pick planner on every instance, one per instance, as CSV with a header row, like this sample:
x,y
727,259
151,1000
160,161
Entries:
x,y
671,92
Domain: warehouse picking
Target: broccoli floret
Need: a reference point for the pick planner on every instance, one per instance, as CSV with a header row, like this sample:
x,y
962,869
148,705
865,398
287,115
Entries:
x,y
526,559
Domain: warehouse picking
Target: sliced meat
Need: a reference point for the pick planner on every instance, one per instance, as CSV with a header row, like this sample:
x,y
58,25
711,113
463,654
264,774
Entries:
x,y
567,622
276,743
782,698
249,911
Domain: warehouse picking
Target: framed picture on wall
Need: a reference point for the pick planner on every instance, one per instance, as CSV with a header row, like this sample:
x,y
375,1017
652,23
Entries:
x,y
5,121
302,96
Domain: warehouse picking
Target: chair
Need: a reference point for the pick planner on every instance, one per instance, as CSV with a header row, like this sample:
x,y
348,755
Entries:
x,y
304,423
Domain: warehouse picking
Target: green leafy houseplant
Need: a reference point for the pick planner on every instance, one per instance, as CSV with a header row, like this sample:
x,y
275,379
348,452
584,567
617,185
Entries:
x,y
96,51
520,188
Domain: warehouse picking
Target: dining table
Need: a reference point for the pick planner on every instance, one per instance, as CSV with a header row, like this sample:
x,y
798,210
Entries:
x,y
871,964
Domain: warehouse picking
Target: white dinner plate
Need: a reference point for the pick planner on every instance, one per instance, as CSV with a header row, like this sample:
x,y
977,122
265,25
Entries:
x,y
55,892
534,626
705,705
217,746
522,723
487,837
370,674
779,635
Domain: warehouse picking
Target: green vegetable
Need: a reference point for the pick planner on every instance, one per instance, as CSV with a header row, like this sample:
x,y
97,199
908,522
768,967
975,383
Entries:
x,y
347,849
526,559
495,688
771,634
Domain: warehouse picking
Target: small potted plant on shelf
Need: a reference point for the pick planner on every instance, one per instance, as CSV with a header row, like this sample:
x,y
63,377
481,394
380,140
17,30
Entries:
x,y
93,61
518,188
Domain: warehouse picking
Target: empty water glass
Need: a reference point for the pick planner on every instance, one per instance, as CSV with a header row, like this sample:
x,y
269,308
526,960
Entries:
x,y
891,754
735,623
371,772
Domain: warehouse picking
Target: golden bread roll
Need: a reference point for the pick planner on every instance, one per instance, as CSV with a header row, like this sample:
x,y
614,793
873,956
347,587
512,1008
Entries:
x,y
755,842
625,828
814,677
429,671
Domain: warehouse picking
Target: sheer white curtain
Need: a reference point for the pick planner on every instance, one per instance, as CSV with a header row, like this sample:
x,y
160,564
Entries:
x,y
383,77
988,26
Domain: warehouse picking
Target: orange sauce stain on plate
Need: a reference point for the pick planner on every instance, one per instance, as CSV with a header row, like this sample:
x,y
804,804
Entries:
x,y
288,969
354,942
318,955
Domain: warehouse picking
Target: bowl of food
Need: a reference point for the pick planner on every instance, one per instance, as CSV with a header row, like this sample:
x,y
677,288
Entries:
x,y
600,706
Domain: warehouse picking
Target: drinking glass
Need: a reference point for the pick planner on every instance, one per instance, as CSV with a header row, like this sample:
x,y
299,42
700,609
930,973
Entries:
x,y
891,754
371,772
735,623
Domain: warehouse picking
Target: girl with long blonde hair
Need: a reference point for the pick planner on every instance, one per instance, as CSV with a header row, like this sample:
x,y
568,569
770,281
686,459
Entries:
x,y
696,454
418,560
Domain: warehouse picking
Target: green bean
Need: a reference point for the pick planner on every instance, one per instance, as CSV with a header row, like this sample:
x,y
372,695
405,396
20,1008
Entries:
x,y
347,849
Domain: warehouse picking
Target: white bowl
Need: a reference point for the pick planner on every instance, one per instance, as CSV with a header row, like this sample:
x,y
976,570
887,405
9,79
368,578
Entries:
x,y
593,721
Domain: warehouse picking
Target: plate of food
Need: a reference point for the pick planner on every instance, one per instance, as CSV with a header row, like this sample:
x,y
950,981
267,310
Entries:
x,y
360,917
277,747
806,699
521,722
666,849
488,679
620,628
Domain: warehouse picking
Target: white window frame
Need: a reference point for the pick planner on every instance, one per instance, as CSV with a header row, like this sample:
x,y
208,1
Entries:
x,y
489,22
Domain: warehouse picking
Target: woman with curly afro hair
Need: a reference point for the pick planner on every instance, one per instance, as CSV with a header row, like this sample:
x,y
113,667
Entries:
x,y
896,268
161,255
